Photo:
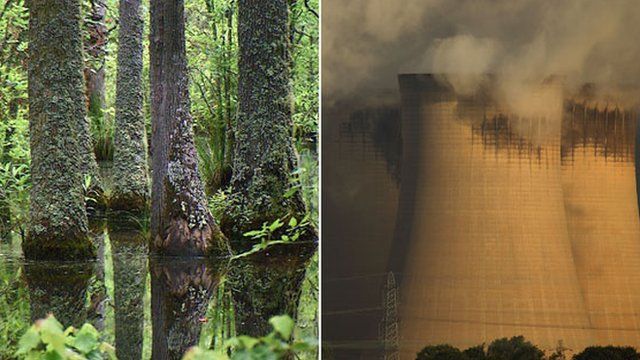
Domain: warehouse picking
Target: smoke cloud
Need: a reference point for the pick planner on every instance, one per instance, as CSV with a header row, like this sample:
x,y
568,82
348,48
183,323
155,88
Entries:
x,y
366,43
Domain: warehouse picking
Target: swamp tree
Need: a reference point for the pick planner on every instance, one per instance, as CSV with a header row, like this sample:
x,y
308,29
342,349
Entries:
x,y
181,223
264,155
130,154
58,227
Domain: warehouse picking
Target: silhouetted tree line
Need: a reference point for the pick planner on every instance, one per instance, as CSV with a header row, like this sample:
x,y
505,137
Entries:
x,y
517,348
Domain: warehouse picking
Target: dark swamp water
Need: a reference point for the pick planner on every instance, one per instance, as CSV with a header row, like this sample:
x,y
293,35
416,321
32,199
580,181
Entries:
x,y
451,220
153,307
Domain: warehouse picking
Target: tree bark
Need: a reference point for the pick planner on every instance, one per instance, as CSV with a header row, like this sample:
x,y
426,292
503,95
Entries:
x,y
58,227
264,155
181,223
130,156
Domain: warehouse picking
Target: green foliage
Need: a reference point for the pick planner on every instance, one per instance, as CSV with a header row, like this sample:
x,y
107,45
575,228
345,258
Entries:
x,y
14,197
275,345
14,308
14,125
46,339
212,52
304,35
265,235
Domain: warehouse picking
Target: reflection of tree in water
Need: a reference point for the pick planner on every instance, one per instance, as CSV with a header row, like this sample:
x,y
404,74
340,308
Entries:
x,y
97,288
59,288
180,294
129,249
267,284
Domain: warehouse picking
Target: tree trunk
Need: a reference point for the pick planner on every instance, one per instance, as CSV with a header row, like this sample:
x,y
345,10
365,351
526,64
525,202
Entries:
x,y
181,223
95,49
58,227
129,270
264,156
180,295
130,156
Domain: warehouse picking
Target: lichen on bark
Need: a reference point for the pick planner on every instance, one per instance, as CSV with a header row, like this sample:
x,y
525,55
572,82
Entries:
x,y
264,154
130,190
181,223
58,226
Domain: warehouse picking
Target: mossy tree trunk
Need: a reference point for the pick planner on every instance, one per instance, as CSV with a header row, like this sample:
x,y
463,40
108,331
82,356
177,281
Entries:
x,y
130,154
180,295
181,223
265,156
129,248
95,86
58,227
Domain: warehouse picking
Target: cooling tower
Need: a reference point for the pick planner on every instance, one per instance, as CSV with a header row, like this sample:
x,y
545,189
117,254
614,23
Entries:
x,y
489,254
599,184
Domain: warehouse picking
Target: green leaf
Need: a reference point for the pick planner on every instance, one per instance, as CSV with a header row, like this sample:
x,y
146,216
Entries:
x,y
52,334
293,222
247,342
28,341
86,339
283,325
253,233
275,225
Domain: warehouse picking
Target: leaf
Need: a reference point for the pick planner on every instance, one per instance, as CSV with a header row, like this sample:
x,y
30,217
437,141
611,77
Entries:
x,y
109,350
52,334
247,342
293,222
28,341
253,233
283,325
86,339
275,225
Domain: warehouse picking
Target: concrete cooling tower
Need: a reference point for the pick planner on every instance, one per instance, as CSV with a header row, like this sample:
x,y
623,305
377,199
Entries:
x,y
489,249
599,186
